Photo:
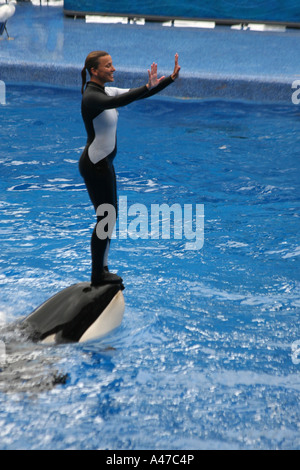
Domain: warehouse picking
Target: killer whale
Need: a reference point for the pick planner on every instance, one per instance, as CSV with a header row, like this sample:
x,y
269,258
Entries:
x,y
78,313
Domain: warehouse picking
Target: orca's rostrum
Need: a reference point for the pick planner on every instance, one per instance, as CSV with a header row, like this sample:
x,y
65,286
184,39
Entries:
x,y
78,313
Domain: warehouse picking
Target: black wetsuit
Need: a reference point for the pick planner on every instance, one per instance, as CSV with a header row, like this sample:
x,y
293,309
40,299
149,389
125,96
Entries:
x,y
96,162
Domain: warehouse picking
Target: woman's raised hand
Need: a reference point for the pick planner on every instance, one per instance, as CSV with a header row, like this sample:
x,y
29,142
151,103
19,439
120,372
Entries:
x,y
153,80
176,68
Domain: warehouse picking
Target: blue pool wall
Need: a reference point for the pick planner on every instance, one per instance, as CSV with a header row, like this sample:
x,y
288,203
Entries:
x,y
219,63
189,86
272,10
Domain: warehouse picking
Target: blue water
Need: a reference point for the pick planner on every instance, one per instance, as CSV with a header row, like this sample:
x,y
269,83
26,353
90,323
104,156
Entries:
x,y
204,358
273,10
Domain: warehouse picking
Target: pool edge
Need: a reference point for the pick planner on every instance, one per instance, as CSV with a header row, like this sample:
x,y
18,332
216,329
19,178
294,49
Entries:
x,y
196,85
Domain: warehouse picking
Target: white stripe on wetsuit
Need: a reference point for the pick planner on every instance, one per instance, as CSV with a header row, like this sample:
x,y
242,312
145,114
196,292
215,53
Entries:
x,y
105,127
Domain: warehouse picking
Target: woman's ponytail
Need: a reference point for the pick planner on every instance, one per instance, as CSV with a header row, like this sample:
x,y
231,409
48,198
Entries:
x,y
83,78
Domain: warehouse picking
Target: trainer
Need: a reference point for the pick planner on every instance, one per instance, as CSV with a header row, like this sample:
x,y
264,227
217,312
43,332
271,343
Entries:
x,y
100,118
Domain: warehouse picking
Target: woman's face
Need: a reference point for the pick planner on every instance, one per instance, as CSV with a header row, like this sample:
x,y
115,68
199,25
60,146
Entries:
x,y
105,71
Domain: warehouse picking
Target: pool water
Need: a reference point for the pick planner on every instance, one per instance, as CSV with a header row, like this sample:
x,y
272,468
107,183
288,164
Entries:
x,y
206,356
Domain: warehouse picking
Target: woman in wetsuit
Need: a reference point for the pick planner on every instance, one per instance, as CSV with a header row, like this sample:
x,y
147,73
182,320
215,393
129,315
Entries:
x,y
100,117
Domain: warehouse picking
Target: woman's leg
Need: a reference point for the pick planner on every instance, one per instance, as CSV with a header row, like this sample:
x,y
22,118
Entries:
x,y
100,181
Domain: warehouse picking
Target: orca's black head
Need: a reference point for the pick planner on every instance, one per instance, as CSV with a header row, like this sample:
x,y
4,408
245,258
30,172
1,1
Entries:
x,y
77,313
